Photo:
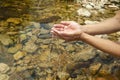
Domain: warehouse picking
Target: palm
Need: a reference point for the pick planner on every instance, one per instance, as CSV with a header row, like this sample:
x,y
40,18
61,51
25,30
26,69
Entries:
x,y
67,30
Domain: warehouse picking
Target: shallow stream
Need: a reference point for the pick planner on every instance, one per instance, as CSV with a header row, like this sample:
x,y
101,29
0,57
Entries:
x,y
28,52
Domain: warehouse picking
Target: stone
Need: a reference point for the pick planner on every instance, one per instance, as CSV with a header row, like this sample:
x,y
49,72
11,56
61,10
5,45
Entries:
x,y
84,12
5,39
94,68
33,38
49,77
15,48
27,59
44,46
113,6
14,20
36,31
105,70
19,68
19,55
36,25
4,68
85,55
44,31
29,34
45,56
4,77
30,47
102,11
23,37
89,6
12,33
63,75
70,48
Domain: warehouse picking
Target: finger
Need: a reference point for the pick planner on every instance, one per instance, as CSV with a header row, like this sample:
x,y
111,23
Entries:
x,y
54,34
57,35
58,29
65,22
55,31
62,34
58,25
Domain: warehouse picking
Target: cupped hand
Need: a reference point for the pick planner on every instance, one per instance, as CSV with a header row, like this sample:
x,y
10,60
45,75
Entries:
x,y
67,30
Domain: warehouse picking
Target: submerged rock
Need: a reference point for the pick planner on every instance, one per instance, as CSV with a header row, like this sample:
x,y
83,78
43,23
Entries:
x,y
15,48
4,68
5,39
30,47
85,55
14,20
19,55
4,77
84,12
63,75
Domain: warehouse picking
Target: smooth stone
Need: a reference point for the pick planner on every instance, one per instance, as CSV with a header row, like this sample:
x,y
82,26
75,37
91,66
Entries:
x,y
4,68
30,47
5,39
15,48
19,55
4,77
83,12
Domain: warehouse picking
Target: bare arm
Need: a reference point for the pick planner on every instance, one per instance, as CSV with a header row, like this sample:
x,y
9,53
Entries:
x,y
70,31
102,44
108,26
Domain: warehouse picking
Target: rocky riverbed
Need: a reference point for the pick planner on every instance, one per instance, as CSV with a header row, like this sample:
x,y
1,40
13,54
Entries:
x,y
28,52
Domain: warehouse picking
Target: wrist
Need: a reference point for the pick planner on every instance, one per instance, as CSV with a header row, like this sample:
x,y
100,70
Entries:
x,y
83,36
78,36
84,29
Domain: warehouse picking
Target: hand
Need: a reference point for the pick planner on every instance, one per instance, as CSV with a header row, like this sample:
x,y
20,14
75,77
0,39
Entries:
x,y
67,30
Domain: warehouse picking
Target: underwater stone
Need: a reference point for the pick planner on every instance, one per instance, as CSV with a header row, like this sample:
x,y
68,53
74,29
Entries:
x,y
30,47
5,39
4,68
84,12
4,77
63,75
94,68
15,48
19,55
36,25
14,20
89,6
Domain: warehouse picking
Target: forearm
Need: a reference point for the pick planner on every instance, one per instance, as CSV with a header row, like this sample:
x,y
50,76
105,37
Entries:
x,y
101,44
108,26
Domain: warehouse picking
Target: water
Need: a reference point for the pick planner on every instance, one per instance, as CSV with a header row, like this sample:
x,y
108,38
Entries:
x,y
30,53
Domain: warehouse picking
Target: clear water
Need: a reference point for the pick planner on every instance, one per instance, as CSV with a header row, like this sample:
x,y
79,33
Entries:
x,y
30,52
